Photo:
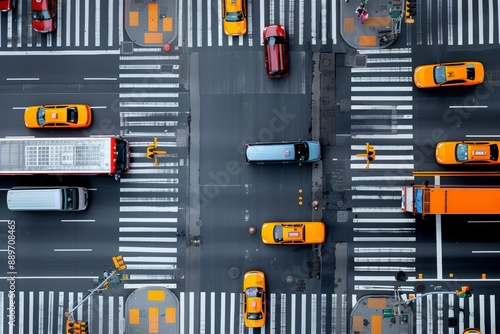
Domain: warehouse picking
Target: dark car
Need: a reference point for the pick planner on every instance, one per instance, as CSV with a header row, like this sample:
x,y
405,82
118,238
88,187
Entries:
x,y
6,5
44,15
276,51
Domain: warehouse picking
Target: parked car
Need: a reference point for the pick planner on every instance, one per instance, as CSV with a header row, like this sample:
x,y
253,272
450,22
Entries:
x,y
234,16
293,232
44,15
276,51
254,299
467,152
6,5
58,116
449,74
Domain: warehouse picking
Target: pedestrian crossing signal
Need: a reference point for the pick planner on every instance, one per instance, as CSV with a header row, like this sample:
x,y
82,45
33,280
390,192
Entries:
x,y
119,263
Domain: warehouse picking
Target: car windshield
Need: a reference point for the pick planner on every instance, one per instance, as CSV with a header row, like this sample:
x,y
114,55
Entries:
x,y
462,151
301,151
40,116
71,196
494,152
278,233
254,316
471,73
254,292
234,16
275,40
72,115
439,74
41,15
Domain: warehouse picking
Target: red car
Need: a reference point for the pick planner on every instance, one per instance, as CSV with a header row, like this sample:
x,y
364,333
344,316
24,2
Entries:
x,y
276,51
6,5
44,15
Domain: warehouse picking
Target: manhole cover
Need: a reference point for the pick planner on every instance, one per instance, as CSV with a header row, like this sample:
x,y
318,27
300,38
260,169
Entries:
x,y
340,203
127,47
420,287
178,273
234,272
345,105
198,223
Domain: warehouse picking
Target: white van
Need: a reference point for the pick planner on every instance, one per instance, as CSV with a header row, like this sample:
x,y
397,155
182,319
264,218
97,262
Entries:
x,y
282,152
47,199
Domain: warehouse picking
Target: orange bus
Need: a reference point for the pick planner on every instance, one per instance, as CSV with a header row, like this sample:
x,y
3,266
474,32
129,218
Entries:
x,y
425,200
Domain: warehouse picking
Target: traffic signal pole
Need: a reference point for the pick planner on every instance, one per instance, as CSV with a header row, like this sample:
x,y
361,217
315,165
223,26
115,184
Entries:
x,y
91,293
119,265
465,292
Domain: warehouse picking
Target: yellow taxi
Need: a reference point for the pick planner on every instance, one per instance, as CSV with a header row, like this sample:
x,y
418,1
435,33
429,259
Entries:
x,y
254,298
471,331
58,116
465,73
467,152
293,232
234,16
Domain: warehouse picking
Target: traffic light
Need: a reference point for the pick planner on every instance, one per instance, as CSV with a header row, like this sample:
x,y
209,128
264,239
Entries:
x,y
84,327
410,11
119,263
70,326
370,152
465,292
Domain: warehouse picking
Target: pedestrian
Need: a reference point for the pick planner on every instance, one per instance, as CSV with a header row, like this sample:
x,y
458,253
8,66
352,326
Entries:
x,y
106,274
360,10
364,17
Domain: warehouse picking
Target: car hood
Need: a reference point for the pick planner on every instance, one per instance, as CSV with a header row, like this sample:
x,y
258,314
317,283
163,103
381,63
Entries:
x,y
445,153
235,28
424,76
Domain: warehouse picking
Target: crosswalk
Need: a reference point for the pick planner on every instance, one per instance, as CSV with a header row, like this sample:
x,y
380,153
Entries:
x,y
84,24
80,24
382,115
455,23
307,22
222,312
149,216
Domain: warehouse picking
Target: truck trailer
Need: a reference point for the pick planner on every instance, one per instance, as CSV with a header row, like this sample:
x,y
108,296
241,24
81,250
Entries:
x,y
433,200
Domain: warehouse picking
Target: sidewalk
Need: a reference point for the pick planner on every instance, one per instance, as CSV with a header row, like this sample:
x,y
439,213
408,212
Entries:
x,y
384,18
151,22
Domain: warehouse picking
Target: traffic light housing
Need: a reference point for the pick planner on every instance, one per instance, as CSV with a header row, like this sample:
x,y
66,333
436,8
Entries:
x,y
465,292
84,327
370,152
77,327
119,263
410,11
